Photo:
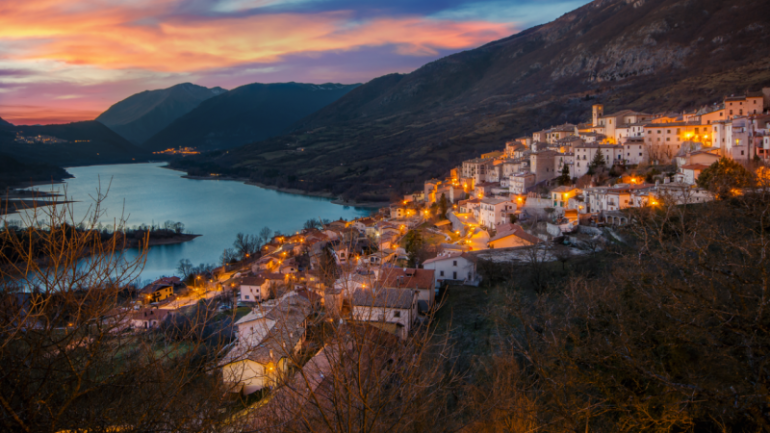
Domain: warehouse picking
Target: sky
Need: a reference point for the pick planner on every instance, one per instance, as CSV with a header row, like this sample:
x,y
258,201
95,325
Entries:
x,y
69,60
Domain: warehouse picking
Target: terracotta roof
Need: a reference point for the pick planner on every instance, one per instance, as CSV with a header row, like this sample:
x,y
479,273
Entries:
x,y
695,167
507,230
408,278
252,281
383,298
154,287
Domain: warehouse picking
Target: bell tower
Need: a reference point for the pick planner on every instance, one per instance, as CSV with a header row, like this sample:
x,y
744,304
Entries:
x,y
598,111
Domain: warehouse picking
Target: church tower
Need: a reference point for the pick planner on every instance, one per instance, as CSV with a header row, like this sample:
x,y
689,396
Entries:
x,y
598,111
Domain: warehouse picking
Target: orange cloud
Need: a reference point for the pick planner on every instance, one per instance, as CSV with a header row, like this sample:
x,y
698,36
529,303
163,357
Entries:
x,y
146,35
32,115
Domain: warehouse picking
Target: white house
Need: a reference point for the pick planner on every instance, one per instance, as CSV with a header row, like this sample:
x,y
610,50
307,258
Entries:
x,y
393,310
267,340
690,172
520,182
453,266
511,236
495,211
148,318
254,289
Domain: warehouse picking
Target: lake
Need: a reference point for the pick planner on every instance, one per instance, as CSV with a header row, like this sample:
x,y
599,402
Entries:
x,y
218,210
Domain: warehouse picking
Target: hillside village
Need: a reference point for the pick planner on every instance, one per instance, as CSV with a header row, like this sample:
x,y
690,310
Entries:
x,y
559,187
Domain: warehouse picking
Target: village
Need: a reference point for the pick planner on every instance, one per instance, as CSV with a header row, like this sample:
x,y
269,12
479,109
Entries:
x,y
562,188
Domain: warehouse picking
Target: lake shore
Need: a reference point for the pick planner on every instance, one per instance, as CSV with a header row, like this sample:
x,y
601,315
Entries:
x,y
11,207
178,239
327,195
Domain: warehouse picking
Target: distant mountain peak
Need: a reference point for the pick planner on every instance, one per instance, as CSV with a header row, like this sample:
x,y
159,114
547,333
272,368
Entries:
x,y
248,113
144,114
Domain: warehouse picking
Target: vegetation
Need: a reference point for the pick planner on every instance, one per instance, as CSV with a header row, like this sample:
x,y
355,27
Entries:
x,y
19,243
88,142
564,178
723,176
597,163
395,131
14,172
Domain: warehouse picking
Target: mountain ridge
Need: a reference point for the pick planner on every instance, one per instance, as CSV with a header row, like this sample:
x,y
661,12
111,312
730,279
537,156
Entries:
x,y
245,114
84,143
144,114
394,131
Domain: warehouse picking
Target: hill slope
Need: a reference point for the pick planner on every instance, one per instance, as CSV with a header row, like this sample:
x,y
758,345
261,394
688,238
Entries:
x,y
16,173
87,143
144,114
245,114
397,130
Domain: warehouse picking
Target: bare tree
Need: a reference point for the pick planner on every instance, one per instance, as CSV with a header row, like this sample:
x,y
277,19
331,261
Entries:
x,y
68,360
246,245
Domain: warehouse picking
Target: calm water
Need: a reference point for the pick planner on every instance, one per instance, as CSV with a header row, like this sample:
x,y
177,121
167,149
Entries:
x,y
218,210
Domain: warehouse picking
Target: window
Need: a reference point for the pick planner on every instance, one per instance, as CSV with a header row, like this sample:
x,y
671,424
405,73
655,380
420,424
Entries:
x,y
441,273
454,263
246,297
454,275
396,314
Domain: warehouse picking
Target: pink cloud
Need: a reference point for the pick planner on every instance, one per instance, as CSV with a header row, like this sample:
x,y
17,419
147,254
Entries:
x,y
105,50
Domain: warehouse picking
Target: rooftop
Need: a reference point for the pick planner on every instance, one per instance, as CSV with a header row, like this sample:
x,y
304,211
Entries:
x,y
384,298
506,230
408,278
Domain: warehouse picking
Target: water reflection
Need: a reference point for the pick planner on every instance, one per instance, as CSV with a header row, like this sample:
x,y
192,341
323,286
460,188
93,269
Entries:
x,y
218,210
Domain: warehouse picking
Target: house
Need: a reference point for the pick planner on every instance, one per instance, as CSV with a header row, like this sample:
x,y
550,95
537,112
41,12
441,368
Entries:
x,y
255,289
690,172
267,340
483,189
495,211
392,310
289,266
561,195
377,258
586,152
158,290
477,169
149,318
511,236
452,265
519,183
542,164
421,280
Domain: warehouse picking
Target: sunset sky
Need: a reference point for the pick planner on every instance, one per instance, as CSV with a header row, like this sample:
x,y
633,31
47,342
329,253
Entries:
x,y
68,60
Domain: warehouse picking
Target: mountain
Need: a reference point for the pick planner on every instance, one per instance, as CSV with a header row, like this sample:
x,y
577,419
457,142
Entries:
x,y
397,130
77,143
144,114
4,124
248,113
